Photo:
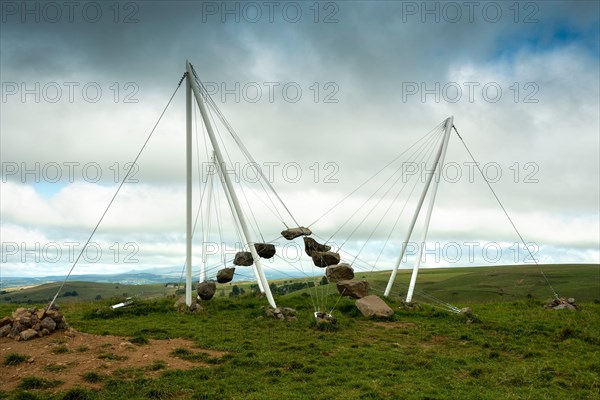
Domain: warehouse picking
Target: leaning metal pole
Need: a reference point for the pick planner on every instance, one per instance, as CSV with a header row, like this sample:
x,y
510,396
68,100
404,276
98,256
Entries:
x,y
440,164
228,184
417,211
188,194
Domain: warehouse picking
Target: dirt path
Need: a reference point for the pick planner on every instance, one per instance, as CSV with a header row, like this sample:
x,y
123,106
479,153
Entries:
x,y
68,356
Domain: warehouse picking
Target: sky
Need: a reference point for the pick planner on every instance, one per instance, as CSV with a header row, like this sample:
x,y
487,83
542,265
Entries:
x,y
323,95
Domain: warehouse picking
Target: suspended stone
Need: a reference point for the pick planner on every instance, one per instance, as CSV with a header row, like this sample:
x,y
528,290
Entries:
x,y
311,245
340,272
322,259
206,290
293,233
356,289
265,250
373,306
243,259
225,275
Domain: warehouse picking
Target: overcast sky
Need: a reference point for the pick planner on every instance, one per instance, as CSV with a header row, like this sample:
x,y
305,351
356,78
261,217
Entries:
x,y
323,94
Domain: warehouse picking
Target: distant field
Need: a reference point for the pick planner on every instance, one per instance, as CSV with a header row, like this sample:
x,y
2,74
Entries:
x,y
452,285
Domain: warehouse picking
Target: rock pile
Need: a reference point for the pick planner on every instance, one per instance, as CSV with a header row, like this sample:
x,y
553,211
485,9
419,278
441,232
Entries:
x,y
562,304
283,314
181,306
29,323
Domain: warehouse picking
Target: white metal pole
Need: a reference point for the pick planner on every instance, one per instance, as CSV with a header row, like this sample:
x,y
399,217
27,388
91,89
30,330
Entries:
x,y
199,100
236,221
188,197
413,221
440,164
206,229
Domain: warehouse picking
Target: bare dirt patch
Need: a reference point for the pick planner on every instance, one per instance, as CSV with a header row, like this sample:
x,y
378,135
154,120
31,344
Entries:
x,y
68,356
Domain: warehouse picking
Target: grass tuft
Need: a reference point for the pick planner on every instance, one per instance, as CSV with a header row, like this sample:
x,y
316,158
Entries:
x,y
15,359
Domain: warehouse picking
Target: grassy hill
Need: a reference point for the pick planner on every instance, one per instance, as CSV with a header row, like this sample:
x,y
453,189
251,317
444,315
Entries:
x,y
513,350
82,291
453,285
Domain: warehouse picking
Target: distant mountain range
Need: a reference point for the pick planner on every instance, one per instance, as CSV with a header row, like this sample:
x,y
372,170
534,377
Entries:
x,y
140,277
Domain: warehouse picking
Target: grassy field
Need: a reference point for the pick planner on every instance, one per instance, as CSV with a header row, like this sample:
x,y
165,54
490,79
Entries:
x,y
514,348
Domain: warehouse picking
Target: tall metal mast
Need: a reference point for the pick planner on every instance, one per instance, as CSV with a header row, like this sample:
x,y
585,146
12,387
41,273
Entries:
x,y
228,185
438,161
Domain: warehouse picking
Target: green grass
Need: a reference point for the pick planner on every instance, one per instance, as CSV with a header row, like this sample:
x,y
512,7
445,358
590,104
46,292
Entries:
x,y
15,359
514,349
33,382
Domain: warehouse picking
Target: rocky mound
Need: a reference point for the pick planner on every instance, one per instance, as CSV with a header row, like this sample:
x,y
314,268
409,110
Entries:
x,y
29,323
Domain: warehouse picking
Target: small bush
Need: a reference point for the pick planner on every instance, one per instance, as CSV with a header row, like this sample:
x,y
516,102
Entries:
x,y
15,359
92,377
112,357
139,340
32,382
78,394
62,349
82,349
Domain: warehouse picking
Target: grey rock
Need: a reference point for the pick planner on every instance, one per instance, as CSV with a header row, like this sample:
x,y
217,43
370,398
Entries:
x,y
5,330
243,259
265,250
48,323
206,290
355,289
311,245
323,259
373,306
28,334
466,311
340,272
225,275
293,233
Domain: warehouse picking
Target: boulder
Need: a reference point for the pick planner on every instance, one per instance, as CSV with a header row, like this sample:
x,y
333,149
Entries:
x,y
48,323
466,311
206,290
323,259
373,306
181,306
243,259
265,250
293,233
5,321
311,245
355,289
5,330
225,275
28,334
340,272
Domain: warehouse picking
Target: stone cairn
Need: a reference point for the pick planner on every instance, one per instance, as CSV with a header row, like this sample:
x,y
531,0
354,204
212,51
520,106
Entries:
x,y
282,314
29,323
562,304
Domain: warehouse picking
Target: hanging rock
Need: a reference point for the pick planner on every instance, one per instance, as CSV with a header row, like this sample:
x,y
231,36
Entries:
x,y
356,289
311,245
340,272
373,306
323,259
206,290
225,275
243,259
293,233
265,250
